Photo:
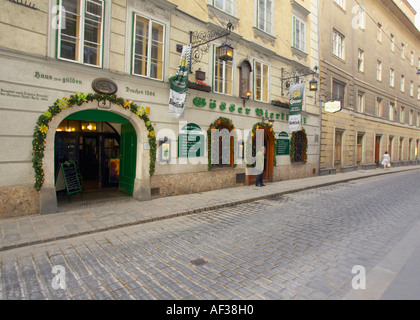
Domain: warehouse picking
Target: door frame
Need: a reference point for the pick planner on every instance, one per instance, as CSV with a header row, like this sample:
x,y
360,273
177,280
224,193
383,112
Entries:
x,y
142,192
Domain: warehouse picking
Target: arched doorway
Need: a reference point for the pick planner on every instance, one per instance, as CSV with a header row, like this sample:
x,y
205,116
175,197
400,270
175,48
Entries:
x,y
267,140
139,165
103,145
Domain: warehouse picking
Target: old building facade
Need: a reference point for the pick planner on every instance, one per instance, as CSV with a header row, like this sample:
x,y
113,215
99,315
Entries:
x,y
88,81
369,53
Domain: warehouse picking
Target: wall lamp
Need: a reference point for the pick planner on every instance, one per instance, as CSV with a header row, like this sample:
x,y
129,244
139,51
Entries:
x,y
296,75
248,95
270,120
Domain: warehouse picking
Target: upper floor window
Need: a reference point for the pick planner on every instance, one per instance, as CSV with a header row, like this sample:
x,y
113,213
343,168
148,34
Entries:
x,y
224,5
391,77
245,79
80,38
362,17
391,111
361,102
148,48
299,34
411,88
264,16
402,83
378,70
223,75
261,81
392,43
338,91
338,44
402,51
379,33
360,60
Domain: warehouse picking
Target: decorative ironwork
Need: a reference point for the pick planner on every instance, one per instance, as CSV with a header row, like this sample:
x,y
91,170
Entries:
x,y
200,41
25,4
289,77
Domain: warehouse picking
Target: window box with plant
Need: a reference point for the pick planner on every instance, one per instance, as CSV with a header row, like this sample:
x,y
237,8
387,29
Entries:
x,y
279,103
199,85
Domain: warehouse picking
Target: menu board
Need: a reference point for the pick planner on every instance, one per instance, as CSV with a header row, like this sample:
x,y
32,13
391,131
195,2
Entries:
x,y
283,144
72,178
191,141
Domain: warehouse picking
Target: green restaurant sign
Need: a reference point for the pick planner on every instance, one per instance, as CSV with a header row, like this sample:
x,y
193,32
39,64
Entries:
x,y
283,144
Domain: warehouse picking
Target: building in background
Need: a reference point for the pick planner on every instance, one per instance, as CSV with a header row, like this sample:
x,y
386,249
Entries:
x,y
369,53
88,81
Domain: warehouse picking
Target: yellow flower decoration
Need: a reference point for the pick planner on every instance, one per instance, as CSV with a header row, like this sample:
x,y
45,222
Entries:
x,y
62,103
152,133
127,103
43,128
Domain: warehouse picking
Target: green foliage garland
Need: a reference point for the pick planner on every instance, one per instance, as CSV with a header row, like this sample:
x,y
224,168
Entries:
x,y
41,128
260,125
299,145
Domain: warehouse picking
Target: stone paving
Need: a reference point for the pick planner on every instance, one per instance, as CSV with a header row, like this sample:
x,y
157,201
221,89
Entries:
x,y
299,245
96,217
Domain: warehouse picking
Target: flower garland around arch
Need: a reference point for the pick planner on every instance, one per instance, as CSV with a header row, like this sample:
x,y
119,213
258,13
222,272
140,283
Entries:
x,y
219,123
41,128
260,125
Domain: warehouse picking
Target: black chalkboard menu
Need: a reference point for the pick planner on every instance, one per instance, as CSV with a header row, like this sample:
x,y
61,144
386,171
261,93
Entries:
x,y
72,177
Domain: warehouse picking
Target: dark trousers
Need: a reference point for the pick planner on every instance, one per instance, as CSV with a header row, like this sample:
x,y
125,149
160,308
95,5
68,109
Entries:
x,y
259,180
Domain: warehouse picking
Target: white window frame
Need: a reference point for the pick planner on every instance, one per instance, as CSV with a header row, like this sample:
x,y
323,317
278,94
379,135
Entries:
x,y
402,114
361,60
392,43
379,33
81,35
268,15
225,6
379,70
411,88
361,102
300,43
392,77
402,83
149,46
391,111
338,44
379,104
255,71
225,68
362,17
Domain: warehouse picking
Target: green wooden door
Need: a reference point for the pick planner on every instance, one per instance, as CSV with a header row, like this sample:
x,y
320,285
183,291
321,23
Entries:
x,y
128,147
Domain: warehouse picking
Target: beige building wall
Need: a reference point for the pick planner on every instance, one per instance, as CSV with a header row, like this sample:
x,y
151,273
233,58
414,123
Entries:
x,y
30,68
372,119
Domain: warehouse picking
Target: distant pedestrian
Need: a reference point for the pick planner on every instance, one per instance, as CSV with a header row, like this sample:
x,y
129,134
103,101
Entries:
x,y
386,161
259,166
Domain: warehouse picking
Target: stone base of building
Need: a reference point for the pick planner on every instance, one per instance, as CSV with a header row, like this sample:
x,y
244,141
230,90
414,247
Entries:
x,y
18,201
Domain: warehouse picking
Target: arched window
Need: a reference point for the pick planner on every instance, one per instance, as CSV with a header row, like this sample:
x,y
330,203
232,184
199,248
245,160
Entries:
x,y
245,78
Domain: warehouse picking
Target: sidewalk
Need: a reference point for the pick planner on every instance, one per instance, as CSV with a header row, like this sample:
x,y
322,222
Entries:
x,y
96,217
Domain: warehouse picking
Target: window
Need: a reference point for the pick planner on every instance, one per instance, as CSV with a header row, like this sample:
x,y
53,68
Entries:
x,y
261,82
402,51
392,43
245,79
378,70
224,5
338,44
402,83
378,109
379,33
391,111
223,75
148,48
360,61
418,93
391,77
81,39
411,88
340,3
361,102
264,16
410,117
299,34
338,91
402,114
412,58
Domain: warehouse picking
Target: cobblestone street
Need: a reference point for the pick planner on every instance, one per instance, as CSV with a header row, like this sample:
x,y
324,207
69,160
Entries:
x,y
298,246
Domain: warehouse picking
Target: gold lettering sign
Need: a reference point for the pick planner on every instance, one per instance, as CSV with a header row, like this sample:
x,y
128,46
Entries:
x,y
104,86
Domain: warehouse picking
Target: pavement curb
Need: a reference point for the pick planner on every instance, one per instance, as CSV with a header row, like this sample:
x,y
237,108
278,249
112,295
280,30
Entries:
x,y
196,210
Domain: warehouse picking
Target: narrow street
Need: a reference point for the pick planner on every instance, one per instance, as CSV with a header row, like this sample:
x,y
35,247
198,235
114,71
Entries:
x,y
302,245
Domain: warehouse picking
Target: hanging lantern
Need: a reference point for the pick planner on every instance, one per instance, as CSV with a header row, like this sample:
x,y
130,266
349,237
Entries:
x,y
313,85
225,51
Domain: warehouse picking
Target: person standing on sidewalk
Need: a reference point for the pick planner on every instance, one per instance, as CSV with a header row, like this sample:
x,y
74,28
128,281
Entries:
x,y
386,161
259,166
